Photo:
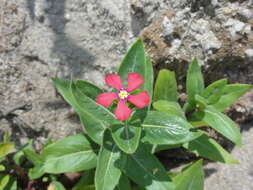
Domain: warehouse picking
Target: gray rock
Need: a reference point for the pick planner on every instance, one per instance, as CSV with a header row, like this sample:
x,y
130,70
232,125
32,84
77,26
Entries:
x,y
233,177
235,27
168,28
246,13
204,35
249,53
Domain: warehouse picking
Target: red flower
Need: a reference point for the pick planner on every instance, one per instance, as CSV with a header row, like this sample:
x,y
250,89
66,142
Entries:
x,y
122,111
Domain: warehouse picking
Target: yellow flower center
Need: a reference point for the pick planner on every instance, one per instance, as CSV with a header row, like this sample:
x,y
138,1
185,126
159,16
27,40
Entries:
x,y
123,94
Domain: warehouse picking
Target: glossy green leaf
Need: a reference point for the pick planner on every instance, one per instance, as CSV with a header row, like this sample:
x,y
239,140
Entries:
x,y
161,128
158,148
4,179
87,178
71,154
172,108
200,101
36,172
88,187
94,117
6,148
192,178
33,157
127,135
145,170
55,185
37,160
2,167
6,136
208,148
19,156
148,78
124,183
214,91
12,184
230,94
134,61
166,86
88,89
107,174
194,83
222,124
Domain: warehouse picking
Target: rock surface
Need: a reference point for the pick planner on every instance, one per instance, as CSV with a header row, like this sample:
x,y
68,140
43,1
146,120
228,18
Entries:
x,y
88,38
233,177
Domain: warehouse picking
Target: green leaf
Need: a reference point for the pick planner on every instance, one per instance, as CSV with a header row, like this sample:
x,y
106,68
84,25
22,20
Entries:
x,y
107,174
6,148
194,83
230,94
214,91
192,178
145,170
172,108
88,89
33,157
11,185
37,160
124,183
19,156
4,179
36,172
207,147
55,185
86,179
2,167
134,61
6,136
158,148
94,117
161,128
200,101
148,78
88,187
166,86
222,124
127,135
71,154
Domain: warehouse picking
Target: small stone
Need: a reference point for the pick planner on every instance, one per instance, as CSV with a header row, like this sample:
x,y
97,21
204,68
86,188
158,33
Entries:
x,y
245,13
228,11
176,43
250,3
67,17
215,3
168,27
234,27
249,53
209,41
205,36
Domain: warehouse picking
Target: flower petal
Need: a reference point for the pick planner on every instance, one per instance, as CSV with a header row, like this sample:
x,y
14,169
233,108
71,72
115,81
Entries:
x,y
114,81
122,111
134,81
140,100
105,99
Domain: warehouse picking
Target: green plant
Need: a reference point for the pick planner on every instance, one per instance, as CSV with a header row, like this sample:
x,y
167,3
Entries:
x,y
120,149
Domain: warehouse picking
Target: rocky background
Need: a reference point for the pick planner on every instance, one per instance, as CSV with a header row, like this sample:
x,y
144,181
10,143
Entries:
x,y
86,39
